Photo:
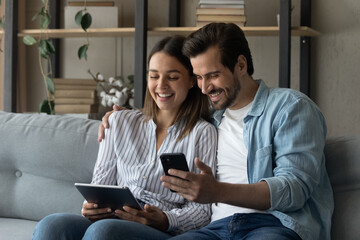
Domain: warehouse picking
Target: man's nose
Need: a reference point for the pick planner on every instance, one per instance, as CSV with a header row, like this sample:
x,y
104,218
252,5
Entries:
x,y
205,86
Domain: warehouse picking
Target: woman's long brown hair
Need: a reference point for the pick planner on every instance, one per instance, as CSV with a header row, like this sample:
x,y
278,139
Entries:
x,y
196,104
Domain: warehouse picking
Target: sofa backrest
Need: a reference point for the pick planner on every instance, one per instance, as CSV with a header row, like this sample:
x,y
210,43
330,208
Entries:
x,y
343,166
41,157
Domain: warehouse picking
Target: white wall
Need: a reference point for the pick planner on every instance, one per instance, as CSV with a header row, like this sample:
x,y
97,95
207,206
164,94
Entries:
x,y
336,64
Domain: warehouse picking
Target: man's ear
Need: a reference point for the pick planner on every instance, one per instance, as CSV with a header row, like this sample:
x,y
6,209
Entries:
x,y
242,63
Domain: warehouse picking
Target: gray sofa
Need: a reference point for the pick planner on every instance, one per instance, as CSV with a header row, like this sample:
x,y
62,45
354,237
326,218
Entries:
x,y
41,157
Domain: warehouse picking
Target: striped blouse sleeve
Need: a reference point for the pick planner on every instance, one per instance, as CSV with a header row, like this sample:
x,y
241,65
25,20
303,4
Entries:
x,y
195,215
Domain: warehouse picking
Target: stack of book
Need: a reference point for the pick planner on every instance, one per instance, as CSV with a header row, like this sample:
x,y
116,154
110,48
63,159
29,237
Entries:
x,y
75,96
228,11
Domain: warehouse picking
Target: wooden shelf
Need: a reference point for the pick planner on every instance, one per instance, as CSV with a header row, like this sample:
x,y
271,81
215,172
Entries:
x,y
249,31
76,33
123,32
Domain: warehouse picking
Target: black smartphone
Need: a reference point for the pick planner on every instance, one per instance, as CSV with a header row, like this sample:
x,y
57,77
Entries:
x,y
174,161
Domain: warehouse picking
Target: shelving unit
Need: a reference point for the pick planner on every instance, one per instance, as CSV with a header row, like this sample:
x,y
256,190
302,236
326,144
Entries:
x,y
140,32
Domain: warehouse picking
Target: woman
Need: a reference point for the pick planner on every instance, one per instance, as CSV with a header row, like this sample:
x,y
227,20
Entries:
x,y
172,120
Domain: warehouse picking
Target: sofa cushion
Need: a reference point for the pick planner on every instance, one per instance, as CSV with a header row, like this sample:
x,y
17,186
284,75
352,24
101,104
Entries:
x,y
16,229
41,157
343,166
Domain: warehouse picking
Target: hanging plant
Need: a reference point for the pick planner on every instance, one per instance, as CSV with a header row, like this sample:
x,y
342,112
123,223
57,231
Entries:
x,y
83,19
46,48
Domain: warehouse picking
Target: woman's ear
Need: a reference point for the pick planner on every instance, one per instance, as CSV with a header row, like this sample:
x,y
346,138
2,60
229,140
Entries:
x,y
193,81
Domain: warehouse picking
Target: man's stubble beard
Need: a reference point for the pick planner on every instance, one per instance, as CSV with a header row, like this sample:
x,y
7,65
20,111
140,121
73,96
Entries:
x,y
230,94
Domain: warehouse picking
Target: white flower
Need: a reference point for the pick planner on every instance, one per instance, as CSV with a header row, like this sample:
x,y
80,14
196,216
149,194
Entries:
x,y
116,102
106,97
122,99
113,90
103,102
100,77
109,102
126,96
131,102
102,94
111,80
117,83
114,99
117,93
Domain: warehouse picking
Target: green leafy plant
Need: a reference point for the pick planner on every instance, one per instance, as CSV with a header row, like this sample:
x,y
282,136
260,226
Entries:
x,y
83,19
46,48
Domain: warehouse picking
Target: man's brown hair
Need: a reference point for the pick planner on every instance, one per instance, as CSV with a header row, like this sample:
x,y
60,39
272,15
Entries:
x,y
228,37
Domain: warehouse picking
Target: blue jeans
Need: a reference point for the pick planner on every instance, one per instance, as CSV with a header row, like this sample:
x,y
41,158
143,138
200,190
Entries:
x,y
69,226
253,226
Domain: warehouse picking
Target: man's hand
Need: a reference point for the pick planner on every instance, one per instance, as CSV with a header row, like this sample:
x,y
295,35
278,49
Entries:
x,y
200,188
204,188
105,122
93,213
151,216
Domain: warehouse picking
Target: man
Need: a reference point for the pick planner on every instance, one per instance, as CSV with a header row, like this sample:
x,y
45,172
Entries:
x,y
271,180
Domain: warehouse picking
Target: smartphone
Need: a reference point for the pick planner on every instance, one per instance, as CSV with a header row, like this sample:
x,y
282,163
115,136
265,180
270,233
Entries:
x,y
174,161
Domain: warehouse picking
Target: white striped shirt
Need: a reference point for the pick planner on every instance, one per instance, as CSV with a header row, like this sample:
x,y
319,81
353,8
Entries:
x,y
128,157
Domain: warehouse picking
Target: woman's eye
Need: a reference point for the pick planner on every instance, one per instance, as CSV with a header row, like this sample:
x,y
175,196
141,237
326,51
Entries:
x,y
154,77
173,77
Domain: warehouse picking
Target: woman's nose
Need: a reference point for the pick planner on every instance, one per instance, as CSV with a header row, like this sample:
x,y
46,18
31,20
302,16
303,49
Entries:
x,y
162,82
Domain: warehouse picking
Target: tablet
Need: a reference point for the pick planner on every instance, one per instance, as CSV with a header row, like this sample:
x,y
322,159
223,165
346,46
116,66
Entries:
x,y
110,196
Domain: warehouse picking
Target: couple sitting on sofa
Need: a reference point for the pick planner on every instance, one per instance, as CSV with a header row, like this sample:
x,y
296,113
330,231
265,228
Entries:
x,y
270,180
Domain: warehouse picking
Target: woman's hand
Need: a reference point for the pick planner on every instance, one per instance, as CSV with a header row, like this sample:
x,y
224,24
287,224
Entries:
x,y
151,216
93,213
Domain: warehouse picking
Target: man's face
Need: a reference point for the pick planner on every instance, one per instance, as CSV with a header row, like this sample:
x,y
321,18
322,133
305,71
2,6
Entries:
x,y
215,80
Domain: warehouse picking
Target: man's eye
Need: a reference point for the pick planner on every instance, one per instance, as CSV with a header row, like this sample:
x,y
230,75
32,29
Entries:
x,y
214,75
198,77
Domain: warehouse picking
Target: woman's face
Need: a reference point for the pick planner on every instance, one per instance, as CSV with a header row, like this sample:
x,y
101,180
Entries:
x,y
168,81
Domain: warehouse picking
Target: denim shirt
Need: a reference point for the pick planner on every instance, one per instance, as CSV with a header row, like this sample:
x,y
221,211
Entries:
x,y
284,133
